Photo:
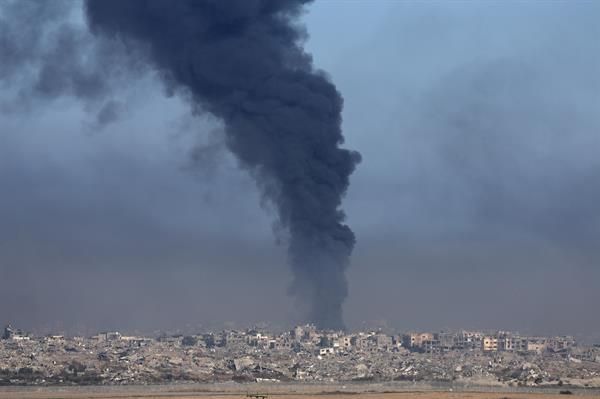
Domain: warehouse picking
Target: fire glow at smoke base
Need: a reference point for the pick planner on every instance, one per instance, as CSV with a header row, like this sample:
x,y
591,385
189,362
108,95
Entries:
x,y
242,61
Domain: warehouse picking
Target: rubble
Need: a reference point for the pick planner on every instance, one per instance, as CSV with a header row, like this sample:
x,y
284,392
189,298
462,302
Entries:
x,y
302,355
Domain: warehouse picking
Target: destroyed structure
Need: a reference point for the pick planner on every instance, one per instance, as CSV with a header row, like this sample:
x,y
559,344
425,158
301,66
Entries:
x,y
304,354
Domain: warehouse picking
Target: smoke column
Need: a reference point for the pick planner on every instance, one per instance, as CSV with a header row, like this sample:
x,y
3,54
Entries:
x,y
243,62
45,54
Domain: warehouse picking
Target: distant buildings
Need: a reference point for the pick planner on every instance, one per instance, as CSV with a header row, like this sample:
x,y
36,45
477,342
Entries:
x,y
304,353
15,335
325,343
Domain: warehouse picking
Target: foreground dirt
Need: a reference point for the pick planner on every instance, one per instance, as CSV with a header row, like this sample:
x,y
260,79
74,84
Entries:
x,y
150,393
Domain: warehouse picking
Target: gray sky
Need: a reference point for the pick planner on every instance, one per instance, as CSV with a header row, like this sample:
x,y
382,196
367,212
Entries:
x,y
474,206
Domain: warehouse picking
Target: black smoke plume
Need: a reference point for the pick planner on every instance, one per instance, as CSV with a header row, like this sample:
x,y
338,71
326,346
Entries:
x,y
243,62
45,54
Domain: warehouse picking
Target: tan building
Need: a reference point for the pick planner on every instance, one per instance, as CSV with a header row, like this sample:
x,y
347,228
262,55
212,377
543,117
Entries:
x,y
511,343
343,342
489,344
536,345
416,340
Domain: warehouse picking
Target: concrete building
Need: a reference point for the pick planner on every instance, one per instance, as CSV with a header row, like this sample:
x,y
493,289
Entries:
x,y
383,341
557,344
360,341
537,345
509,342
416,340
446,340
8,332
14,335
326,351
489,344
469,340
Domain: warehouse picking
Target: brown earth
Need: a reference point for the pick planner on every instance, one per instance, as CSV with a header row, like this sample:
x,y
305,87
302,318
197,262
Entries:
x,y
180,393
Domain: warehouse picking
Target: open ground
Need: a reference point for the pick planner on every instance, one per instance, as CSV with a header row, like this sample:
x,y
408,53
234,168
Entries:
x,y
183,392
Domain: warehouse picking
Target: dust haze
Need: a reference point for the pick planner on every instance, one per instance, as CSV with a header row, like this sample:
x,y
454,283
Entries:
x,y
474,206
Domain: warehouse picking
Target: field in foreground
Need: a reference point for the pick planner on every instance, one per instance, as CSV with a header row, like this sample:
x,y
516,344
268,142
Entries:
x,y
179,392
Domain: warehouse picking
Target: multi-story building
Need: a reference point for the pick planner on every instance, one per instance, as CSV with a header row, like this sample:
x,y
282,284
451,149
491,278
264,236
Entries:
x,y
416,340
446,340
469,340
508,342
536,344
489,344
360,341
557,344
344,342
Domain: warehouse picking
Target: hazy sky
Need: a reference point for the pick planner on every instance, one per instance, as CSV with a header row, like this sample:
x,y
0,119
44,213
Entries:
x,y
475,205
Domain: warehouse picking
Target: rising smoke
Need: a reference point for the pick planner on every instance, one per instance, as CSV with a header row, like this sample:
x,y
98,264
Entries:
x,y
47,53
243,62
